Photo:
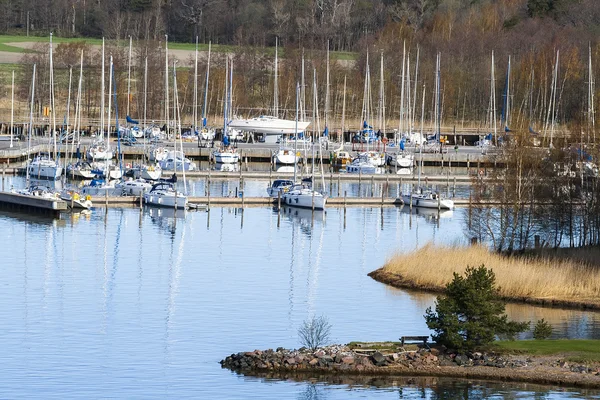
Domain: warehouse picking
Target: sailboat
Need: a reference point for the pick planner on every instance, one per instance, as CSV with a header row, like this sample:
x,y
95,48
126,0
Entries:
x,y
44,166
302,194
164,193
100,149
423,197
206,133
227,154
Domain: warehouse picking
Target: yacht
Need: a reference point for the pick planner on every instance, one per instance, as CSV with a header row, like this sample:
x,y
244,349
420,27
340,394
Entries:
x,y
44,167
176,160
279,186
164,194
363,165
427,199
226,155
99,151
76,199
302,195
285,156
269,125
402,159
80,169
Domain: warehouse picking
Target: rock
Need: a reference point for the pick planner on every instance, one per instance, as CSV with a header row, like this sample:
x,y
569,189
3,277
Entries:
x,y
395,357
462,360
477,356
435,352
564,364
348,360
290,361
313,362
378,359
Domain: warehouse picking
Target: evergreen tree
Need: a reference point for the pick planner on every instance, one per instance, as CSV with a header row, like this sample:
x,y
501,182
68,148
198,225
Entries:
x,y
471,313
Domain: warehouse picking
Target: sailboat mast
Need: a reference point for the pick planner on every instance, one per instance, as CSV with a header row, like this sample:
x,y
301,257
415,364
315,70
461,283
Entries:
x,y
493,100
507,119
12,108
302,92
177,116
67,119
380,113
343,110
421,146
167,83
77,124
275,87
327,90
102,104
415,92
206,88
145,97
226,99
296,130
52,104
195,113
591,113
401,122
30,121
129,77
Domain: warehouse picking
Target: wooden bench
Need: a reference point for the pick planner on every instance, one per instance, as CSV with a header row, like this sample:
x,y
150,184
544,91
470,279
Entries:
x,y
419,339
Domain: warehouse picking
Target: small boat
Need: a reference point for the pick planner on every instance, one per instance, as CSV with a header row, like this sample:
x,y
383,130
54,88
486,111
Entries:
x,y
279,186
363,165
37,191
44,167
402,159
99,187
164,194
157,153
134,187
206,134
302,195
99,151
427,199
285,156
80,169
227,155
100,169
76,199
143,171
341,158
176,160
375,158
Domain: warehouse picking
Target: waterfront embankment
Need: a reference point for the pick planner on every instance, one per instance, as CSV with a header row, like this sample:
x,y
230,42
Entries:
x,y
391,359
560,282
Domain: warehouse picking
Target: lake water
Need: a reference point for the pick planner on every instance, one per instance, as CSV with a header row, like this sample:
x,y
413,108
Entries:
x,y
144,305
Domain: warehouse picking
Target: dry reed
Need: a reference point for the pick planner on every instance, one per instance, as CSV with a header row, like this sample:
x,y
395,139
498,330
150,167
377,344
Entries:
x,y
520,277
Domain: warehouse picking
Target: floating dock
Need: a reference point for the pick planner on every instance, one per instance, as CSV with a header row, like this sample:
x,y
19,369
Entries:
x,y
14,201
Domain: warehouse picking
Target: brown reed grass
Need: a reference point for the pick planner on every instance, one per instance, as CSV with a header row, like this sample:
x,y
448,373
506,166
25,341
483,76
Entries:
x,y
526,277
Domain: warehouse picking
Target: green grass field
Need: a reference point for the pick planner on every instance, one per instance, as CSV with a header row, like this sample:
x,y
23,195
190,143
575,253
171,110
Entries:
x,y
575,350
218,48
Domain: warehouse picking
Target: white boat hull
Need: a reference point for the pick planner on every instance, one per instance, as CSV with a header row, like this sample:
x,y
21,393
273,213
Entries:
x,y
43,171
304,200
80,173
268,125
366,169
166,200
444,204
285,157
226,158
403,161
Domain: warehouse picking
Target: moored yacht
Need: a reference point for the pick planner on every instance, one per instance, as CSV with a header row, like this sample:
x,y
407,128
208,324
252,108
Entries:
x,y
164,194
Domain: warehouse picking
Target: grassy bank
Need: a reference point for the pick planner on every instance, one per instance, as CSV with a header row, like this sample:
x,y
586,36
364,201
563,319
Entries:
x,y
530,278
574,350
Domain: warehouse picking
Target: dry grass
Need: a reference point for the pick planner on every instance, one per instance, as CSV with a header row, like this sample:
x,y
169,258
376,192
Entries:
x,y
519,277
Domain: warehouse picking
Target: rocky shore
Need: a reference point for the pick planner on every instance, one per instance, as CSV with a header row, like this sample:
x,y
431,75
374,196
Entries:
x,y
344,360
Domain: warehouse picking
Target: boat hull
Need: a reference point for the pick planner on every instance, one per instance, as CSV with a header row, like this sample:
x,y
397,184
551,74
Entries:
x,y
303,200
42,171
226,158
269,126
285,157
444,204
165,200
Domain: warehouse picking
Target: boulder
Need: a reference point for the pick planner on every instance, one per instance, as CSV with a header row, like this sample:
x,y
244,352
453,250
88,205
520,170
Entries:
x,y
348,360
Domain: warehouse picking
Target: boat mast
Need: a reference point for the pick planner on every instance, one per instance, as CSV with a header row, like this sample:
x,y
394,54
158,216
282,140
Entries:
x,y
195,113
30,122
67,119
177,115
316,119
275,88
412,125
77,124
226,99
129,77
400,123
343,112
12,108
110,77
145,98
296,130
421,146
167,84
591,113
302,92
206,89
52,104
493,100
102,104
327,91
381,112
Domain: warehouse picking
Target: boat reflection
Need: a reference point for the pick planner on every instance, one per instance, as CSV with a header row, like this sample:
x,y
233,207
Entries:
x,y
285,168
224,167
431,214
163,212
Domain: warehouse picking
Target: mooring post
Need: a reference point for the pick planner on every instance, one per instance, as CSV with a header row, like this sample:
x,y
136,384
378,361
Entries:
x,y
454,188
382,196
106,199
410,205
372,185
330,181
338,188
175,199
141,199
278,201
3,173
359,179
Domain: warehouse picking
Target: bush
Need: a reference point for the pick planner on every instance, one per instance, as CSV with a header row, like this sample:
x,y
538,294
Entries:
x,y
314,332
470,314
542,330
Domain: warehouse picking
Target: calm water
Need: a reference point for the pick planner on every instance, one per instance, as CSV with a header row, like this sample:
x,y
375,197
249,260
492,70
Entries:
x,y
144,305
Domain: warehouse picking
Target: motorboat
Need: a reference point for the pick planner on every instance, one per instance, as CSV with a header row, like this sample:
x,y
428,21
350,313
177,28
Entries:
x,y
176,161
402,159
285,156
269,125
41,191
99,187
80,169
99,151
148,172
375,158
341,158
157,153
226,155
302,195
427,199
164,194
134,187
44,167
279,186
363,165
72,197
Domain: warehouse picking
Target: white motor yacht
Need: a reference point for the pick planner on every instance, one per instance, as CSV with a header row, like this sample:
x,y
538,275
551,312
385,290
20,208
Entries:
x,y
134,187
44,167
279,186
164,194
285,156
363,165
227,155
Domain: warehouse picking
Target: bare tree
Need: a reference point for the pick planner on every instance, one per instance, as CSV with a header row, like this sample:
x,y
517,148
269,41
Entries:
x,y
314,332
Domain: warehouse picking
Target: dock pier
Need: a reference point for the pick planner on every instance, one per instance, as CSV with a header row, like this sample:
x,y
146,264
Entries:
x,y
19,202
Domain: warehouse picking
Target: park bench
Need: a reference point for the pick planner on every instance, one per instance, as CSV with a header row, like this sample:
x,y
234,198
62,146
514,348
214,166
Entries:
x,y
419,339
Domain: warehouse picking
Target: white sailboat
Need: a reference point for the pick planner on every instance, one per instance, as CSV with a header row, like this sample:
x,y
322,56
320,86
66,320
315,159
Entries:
x,y
44,166
100,150
303,194
227,154
421,197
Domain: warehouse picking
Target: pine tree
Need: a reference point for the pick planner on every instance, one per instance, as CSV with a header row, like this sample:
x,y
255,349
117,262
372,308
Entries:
x,y
471,312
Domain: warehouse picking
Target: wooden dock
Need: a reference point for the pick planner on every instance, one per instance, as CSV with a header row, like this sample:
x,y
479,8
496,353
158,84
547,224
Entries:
x,y
14,201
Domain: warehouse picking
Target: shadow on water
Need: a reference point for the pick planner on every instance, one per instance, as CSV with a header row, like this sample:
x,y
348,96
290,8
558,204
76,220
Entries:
x,y
318,386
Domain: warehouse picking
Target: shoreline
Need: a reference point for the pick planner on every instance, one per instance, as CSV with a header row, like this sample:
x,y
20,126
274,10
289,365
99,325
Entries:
x,y
397,281
341,361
